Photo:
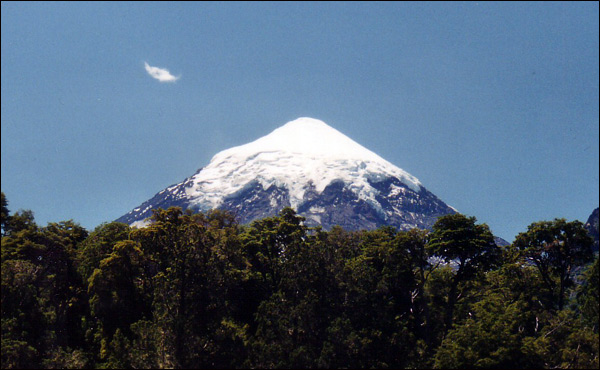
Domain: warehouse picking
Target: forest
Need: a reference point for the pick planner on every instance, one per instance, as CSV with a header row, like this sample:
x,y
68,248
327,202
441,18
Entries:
x,y
202,291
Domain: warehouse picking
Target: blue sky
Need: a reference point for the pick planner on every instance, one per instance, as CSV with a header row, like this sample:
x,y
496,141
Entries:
x,y
492,106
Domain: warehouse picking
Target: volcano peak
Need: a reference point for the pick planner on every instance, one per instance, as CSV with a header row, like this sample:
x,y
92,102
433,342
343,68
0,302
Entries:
x,y
306,164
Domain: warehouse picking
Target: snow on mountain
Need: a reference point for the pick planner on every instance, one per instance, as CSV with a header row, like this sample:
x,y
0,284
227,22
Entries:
x,y
300,152
306,164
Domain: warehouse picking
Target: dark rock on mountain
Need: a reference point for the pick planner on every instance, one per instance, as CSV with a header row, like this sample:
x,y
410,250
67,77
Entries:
x,y
592,227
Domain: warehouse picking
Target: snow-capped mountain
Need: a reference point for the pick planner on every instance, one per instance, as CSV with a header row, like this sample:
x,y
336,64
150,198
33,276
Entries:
x,y
306,164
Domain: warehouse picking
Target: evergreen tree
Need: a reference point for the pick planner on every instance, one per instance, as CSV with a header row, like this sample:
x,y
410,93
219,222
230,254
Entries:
x,y
116,289
4,213
457,240
565,343
588,296
98,245
43,299
196,263
556,248
24,325
497,327
200,291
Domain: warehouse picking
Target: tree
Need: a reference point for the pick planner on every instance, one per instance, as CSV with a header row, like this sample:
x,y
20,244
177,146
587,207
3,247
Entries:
x,y
414,243
288,315
588,296
20,233
491,338
266,243
24,324
564,343
66,298
457,240
378,286
556,248
116,289
58,288
4,213
505,317
196,263
98,245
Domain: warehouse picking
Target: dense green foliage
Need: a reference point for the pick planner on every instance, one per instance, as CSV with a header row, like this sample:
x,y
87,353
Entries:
x,y
201,291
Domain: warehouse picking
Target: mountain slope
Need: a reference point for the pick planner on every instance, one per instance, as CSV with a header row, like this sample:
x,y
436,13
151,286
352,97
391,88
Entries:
x,y
306,164
592,227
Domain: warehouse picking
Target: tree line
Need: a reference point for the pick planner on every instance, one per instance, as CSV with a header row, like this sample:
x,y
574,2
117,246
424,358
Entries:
x,y
202,291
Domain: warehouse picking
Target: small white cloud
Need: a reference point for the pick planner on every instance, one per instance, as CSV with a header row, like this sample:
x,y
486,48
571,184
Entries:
x,y
161,74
